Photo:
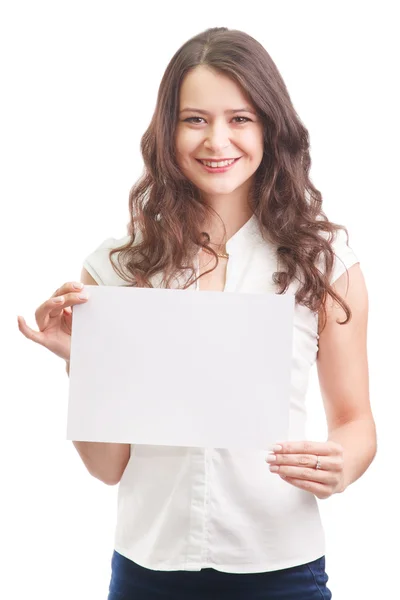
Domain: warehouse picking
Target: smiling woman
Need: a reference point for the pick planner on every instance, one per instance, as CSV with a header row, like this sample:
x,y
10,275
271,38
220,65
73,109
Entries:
x,y
226,173
221,98
225,139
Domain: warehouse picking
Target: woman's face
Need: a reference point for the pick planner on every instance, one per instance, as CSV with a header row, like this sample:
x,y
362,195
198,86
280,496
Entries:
x,y
217,122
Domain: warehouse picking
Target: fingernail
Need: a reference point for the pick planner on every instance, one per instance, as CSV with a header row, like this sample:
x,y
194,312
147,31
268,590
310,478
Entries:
x,y
83,296
78,286
275,448
271,458
274,468
59,299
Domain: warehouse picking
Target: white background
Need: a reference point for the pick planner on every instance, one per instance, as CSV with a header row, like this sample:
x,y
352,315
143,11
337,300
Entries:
x,y
79,85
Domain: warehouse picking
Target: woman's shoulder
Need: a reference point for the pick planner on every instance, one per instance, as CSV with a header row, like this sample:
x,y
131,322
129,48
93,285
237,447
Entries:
x,y
345,256
98,262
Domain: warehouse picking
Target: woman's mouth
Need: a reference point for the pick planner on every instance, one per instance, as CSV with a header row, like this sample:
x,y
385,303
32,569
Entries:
x,y
218,166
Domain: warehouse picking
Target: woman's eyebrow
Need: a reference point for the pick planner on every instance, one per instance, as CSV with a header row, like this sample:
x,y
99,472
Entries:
x,y
205,112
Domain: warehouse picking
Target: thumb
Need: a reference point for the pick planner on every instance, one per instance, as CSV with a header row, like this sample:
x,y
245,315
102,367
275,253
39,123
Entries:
x,y
29,333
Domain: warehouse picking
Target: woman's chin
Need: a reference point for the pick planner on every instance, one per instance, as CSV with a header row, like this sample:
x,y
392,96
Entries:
x,y
217,188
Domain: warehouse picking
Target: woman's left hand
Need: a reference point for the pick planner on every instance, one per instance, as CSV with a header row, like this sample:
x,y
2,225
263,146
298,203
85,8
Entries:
x,y
296,462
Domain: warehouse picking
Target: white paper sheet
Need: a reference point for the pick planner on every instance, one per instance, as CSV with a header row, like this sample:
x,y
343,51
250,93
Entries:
x,y
180,368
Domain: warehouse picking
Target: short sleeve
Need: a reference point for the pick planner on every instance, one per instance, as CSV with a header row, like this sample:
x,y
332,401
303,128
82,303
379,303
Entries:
x,y
345,256
98,263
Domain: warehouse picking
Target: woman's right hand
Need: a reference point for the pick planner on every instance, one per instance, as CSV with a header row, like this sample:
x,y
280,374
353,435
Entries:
x,y
54,319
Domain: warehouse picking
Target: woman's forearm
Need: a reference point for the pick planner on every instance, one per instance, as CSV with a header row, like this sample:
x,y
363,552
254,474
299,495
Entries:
x,y
359,442
105,461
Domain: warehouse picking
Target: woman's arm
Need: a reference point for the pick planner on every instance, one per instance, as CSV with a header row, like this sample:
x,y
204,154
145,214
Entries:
x,y
343,375
342,366
105,461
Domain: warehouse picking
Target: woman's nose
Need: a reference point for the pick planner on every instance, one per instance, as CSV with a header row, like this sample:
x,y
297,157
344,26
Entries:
x,y
217,140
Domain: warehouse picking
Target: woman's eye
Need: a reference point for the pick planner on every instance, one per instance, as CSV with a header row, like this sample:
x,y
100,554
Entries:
x,y
192,120
244,121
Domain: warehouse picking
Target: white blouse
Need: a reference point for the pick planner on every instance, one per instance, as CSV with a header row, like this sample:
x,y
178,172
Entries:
x,y
183,508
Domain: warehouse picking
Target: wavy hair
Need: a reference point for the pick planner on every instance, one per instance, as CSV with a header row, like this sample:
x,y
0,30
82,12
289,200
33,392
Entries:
x,y
167,212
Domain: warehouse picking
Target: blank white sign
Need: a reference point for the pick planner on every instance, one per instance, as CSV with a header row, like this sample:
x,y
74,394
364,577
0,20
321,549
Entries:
x,y
180,368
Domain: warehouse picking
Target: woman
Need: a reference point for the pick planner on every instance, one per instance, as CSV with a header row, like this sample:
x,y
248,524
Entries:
x,y
226,204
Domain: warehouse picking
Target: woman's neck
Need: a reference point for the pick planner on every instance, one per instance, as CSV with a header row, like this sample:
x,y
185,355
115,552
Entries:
x,y
234,211
233,221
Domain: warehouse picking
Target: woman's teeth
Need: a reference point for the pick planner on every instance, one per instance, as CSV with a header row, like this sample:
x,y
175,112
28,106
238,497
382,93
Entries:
x,y
223,163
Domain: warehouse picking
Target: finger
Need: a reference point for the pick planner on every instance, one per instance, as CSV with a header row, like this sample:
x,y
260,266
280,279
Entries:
x,y
318,489
29,333
51,308
307,447
306,460
43,314
316,475
70,286
54,307
68,316
302,460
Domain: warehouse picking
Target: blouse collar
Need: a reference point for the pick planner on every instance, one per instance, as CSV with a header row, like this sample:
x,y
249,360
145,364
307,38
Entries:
x,y
246,236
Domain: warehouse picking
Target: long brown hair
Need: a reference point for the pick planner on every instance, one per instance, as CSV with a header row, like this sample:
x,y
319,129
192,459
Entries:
x,y
167,212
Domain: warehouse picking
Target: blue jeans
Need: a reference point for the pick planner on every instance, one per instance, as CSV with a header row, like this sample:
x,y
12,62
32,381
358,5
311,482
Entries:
x,y
130,581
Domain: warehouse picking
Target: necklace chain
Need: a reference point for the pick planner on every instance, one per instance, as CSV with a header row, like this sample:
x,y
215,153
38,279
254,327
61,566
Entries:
x,y
220,254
